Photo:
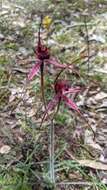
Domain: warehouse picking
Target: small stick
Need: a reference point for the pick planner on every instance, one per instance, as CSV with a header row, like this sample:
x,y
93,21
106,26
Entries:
x,y
82,116
87,41
77,183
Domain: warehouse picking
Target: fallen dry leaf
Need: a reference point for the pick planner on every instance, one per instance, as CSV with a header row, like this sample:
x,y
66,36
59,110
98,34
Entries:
x,y
89,141
5,149
93,164
100,96
89,163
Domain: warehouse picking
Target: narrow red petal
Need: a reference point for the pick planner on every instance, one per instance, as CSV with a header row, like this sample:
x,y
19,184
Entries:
x,y
56,63
70,103
34,70
51,105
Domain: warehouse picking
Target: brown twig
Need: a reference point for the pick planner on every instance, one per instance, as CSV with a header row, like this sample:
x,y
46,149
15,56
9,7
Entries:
x,y
87,41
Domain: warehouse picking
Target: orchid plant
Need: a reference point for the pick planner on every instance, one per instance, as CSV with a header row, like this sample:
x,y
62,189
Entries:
x,y
43,57
62,88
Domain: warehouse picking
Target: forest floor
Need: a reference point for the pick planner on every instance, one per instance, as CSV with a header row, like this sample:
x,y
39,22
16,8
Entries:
x,y
78,36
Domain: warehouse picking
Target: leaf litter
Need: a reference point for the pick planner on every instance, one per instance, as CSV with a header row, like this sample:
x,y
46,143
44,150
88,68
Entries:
x,y
21,112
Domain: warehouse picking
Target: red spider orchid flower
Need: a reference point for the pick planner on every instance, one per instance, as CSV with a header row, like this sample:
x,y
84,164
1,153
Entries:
x,y
62,88
43,56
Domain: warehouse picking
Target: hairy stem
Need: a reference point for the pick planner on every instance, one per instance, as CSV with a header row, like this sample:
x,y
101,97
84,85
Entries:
x,y
51,152
51,149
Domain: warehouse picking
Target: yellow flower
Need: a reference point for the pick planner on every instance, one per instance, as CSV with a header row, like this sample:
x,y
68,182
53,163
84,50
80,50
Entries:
x,y
47,22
